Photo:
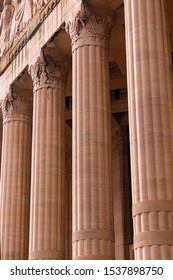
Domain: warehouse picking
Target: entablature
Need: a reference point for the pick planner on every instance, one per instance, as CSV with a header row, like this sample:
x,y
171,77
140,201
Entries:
x,y
46,31
26,46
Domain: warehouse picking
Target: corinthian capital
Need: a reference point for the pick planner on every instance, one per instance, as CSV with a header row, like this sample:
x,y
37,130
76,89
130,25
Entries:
x,y
90,27
16,107
47,73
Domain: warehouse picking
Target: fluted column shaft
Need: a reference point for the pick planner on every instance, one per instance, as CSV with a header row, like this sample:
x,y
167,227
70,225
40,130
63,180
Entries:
x,y
47,171
1,130
117,171
68,202
0,169
91,181
150,120
15,177
68,213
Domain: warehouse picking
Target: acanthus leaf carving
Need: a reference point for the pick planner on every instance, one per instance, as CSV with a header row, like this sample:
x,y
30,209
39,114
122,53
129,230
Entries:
x,y
90,27
16,106
38,73
48,73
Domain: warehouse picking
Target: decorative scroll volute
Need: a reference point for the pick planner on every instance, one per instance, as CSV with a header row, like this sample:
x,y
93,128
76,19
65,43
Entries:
x,y
90,28
16,106
48,73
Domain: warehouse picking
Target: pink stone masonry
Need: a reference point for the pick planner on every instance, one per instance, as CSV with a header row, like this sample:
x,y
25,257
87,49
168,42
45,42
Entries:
x,y
15,177
149,73
48,161
92,208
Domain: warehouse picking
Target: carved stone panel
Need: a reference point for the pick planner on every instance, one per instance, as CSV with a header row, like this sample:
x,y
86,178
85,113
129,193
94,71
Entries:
x,y
15,15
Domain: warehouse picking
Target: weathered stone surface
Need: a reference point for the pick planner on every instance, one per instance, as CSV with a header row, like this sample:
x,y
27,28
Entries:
x,y
15,17
151,130
65,60
92,235
15,177
48,162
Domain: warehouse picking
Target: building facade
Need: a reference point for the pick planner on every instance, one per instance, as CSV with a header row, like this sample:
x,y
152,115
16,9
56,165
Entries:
x,y
86,130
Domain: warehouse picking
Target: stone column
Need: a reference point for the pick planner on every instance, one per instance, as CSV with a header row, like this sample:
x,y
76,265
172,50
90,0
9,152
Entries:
x,y
1,130
15,177
121,182
151,127
93,236
68,202
118,192
48,160
0,169
127,193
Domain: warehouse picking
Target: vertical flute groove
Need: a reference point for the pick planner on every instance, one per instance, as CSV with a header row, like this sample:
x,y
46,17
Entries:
x,y
15,178
48,160
150,121
93,211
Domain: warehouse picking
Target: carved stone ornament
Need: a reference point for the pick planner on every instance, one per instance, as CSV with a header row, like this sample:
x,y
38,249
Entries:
x,y
16,107
48,73
90,28
14,18
5,25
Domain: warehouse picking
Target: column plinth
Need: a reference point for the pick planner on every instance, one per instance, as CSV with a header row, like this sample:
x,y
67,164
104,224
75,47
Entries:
x,y
48,160
15,177
93,236
150,120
